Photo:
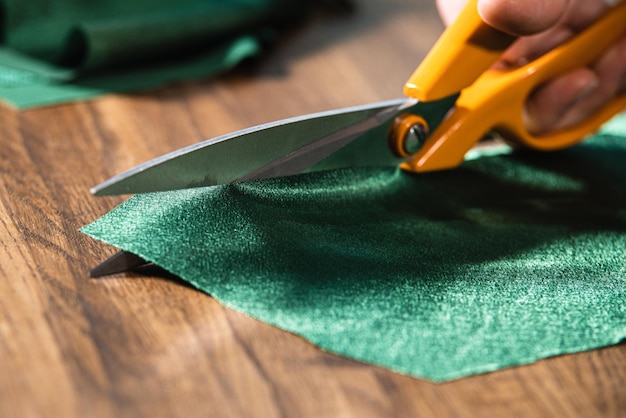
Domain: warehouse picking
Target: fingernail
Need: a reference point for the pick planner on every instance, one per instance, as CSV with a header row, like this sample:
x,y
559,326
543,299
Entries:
x,y
612,2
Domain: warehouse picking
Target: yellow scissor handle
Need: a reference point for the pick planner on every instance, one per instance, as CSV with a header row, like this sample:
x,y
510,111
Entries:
x,y
496,99
464,51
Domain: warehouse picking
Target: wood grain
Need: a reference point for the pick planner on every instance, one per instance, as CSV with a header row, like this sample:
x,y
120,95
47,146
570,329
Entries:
x,y
132,346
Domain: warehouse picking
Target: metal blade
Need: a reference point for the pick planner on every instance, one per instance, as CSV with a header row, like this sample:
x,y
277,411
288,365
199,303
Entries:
x,y
274,149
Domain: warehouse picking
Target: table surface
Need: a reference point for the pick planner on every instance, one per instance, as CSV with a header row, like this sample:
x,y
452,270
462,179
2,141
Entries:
x,y
140,346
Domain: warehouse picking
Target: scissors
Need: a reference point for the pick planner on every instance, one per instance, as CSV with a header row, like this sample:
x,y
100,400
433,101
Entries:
x,y
456,76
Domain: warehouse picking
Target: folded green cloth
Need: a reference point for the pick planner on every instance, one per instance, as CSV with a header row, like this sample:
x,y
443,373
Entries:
x,y
60,50
504,261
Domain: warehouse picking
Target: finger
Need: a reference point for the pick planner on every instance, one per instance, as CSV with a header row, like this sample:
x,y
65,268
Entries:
x,y
571,98
548,104
610,70
522,17
531,47
582,13
511,16
578,15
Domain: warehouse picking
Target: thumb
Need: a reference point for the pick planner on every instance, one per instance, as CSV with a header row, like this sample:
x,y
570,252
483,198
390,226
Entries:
x,y
521,17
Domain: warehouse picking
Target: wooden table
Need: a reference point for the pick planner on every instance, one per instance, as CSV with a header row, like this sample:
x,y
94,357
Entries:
x,y
133,346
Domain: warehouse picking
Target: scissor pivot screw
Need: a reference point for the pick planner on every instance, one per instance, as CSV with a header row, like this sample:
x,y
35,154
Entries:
x,y
407,134
414,139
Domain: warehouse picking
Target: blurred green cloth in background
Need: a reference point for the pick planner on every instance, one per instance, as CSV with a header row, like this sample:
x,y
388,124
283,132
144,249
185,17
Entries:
x,y
58,50
501,262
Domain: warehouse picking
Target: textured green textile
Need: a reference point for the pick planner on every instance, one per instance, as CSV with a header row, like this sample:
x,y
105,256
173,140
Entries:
x,y
504,261
59,50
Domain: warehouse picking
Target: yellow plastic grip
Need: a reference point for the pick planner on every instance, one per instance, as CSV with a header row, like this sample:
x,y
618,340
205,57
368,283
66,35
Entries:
x,y
465,50
496,100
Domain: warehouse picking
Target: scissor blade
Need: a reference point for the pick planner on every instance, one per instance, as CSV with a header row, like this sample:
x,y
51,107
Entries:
x,y
118,263
274,149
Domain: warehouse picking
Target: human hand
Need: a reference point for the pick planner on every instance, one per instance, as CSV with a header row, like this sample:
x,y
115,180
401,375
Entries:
x,y
542,25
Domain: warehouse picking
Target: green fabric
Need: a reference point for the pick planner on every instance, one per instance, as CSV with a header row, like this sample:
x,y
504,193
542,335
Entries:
x,y
501,262
59,50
